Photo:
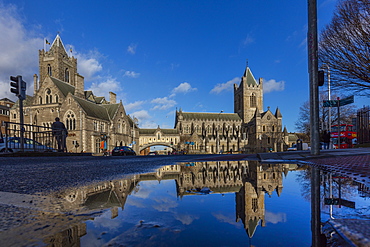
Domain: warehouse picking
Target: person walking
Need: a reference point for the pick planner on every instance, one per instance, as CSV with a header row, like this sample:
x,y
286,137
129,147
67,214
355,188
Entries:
x,y
60,133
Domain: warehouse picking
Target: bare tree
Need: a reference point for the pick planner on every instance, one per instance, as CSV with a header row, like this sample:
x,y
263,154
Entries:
x,y
347,113
344,46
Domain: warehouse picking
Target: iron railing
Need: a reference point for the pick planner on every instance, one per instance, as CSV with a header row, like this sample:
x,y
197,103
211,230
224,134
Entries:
x,y
35,138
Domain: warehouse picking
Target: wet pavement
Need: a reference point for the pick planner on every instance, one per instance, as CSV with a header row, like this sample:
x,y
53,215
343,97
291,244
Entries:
x,y
352,163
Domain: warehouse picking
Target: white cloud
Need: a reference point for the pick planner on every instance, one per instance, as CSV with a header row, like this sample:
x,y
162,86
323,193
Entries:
x,y
227,86
103,88
132,49
88,64
275,218
141,115
134,106
272,85
163,103
186,219
131,74
226,218
148,125
248,40
19,49
184,87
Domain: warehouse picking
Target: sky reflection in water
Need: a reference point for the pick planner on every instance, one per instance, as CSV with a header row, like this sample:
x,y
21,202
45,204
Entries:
x,y
228,203
206,204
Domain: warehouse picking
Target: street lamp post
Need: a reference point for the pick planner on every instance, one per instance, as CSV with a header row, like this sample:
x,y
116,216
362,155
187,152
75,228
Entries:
x,y
329,94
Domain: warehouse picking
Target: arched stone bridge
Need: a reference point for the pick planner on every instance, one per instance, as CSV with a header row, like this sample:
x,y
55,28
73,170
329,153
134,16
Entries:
x,y
158,137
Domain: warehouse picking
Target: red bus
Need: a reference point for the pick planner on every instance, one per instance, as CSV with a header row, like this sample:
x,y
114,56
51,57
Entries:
x,y
348,137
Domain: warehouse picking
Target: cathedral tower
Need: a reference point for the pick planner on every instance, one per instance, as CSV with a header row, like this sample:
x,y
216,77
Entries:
x,y
248,96
58,64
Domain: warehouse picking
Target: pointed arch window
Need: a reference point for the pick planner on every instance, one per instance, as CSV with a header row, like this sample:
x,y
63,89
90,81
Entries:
x,y
66,75
70,120
253,100
254,204
48,96
50,73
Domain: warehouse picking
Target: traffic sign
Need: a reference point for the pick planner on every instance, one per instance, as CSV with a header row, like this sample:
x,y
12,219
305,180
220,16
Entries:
x,y
342,102
330,103
346,101
339,201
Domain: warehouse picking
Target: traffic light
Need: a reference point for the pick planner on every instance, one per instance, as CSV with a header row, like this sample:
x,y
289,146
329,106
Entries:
x,y
18,86
15,85
321,78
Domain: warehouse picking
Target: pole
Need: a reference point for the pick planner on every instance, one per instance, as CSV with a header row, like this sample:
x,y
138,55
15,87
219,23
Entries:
x,y
338,123
315,207
313,77
21,120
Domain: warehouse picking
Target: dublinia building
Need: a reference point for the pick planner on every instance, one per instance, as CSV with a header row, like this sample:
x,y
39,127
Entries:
x,y
59,92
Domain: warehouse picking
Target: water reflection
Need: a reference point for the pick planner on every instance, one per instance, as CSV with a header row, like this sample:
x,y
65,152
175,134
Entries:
x,y
246,181
204,203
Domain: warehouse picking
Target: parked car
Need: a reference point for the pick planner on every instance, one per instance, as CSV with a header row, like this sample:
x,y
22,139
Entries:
x,y
123,150
304,147
14,145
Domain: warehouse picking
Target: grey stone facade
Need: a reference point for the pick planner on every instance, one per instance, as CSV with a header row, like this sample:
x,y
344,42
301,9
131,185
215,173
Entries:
x,y
59,92
92,120
248,129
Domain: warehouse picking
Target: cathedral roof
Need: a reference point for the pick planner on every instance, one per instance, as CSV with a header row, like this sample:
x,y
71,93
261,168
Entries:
x,y
252,226
111,108
64,87
249,78
211,116
58,43
93,110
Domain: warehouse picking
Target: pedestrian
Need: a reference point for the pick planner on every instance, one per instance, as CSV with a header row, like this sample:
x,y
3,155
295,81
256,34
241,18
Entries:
x,y
326,139
60,133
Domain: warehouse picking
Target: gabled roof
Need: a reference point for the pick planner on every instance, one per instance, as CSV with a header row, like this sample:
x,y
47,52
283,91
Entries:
x,y
93,110
64,87
249,78
211,116
100,99
111,108
58,42
252,226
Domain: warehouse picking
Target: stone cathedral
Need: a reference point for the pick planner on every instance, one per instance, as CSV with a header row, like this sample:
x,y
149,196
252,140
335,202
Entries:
x,y
249,129
92,120
59,92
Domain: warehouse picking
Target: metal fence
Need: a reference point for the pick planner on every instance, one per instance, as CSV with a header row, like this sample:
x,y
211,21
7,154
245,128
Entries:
x,y
34,138
363,127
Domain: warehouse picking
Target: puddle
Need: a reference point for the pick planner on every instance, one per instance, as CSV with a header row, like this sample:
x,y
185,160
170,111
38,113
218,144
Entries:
x,y
227,203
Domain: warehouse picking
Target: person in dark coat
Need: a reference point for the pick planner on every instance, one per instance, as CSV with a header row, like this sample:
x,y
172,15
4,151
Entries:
x,y
60,133
326,139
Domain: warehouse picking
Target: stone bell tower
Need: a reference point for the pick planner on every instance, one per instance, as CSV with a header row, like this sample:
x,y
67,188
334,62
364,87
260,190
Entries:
x,y
58,64
248,96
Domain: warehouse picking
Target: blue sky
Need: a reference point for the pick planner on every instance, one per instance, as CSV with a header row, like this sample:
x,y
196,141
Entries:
x,y
159,56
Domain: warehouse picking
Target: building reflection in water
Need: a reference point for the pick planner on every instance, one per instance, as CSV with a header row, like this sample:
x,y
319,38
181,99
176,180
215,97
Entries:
x,y
249,180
